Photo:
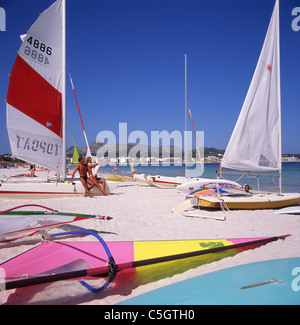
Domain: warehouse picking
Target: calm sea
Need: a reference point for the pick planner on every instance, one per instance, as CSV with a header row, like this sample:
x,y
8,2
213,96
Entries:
x,y
290,175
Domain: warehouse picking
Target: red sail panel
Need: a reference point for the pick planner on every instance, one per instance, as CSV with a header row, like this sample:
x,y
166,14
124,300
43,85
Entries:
x,y
31,94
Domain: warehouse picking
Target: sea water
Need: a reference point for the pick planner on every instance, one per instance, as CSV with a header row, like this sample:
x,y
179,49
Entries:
x,y
290,175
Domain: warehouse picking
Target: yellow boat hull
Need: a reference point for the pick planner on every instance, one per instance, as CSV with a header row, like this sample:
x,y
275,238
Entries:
x,y
251,202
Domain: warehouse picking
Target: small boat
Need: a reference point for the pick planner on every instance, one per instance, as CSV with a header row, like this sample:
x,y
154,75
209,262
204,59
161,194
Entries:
x,y
36,108
47,190
212,188
141,178
199,183
255,144
167,181
250,201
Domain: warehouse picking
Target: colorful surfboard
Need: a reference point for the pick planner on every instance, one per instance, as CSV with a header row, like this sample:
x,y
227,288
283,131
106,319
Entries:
x,y
54,261
270,282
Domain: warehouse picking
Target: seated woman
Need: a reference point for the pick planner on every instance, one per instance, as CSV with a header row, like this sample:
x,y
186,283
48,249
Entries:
x,y
93,175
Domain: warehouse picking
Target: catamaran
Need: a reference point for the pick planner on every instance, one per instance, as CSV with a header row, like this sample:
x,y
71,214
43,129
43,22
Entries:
x,y
36,108
255,144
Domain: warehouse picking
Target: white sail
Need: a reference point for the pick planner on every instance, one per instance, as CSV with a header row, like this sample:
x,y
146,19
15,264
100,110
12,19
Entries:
x,y
35,98
255,144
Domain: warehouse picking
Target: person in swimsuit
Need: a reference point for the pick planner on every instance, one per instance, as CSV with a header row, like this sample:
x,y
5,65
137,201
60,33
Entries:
x,y
82,169
93,176
31,174
32,170
132,168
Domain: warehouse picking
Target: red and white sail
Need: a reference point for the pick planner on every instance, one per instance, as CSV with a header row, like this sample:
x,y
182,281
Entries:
x,y
35,98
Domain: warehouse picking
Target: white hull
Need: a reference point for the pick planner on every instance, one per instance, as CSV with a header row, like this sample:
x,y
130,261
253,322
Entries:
x,y
167,182
289,210
23,180
47,190
200,182
196,213
141,178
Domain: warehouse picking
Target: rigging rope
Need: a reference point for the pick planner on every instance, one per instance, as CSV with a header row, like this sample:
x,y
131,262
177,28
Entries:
x,y
28,205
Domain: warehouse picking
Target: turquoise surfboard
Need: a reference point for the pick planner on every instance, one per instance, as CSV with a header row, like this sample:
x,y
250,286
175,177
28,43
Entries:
x,y
263,283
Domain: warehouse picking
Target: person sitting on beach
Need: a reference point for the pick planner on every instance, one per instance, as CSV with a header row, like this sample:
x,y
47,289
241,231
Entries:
x,y
82,169
93,175
31,174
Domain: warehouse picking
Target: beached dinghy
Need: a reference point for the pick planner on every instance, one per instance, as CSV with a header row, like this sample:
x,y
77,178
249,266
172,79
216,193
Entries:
x,y
167,181
25,179
48,190
74,260
206,190
200,183
36,106
141,178
255,144
250,201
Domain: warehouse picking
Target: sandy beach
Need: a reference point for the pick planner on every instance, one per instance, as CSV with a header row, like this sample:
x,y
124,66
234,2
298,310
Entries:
x,y
141,212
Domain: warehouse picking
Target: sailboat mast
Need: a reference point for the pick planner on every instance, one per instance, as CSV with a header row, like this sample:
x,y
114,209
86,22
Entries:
x,y
64,116
186,119
279,99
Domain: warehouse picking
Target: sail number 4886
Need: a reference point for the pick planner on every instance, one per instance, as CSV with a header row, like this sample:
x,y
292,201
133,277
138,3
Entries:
x,y
39,52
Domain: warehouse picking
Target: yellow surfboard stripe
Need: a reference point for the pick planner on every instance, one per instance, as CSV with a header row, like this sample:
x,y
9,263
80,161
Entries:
x,y
152,249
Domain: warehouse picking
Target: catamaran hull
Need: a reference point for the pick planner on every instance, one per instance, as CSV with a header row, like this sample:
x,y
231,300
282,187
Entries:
x,y
251,202
166,181
142,178
48,190
203,182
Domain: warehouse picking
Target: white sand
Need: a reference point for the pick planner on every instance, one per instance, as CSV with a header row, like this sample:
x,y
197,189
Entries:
x,y
144,213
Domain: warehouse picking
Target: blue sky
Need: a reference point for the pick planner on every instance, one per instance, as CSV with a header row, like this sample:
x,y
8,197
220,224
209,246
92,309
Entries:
x,y
126,58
